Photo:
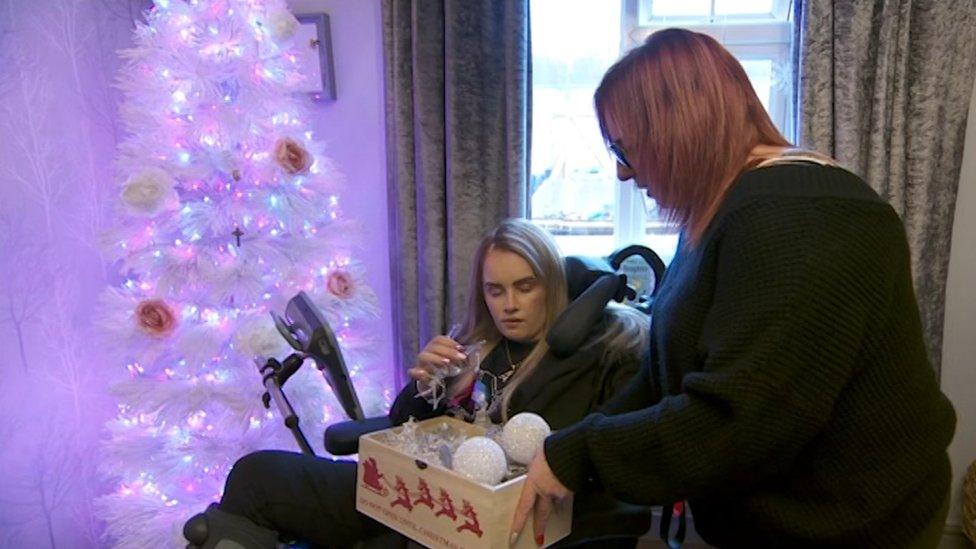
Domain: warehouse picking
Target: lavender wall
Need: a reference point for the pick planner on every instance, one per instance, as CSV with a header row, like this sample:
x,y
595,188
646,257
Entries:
x,y
353,128
58,130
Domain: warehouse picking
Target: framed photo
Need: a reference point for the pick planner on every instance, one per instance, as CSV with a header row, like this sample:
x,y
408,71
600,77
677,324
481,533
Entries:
x,y
314,32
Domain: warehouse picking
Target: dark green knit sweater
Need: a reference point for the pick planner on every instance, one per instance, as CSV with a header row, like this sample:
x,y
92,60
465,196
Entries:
x,y
788,395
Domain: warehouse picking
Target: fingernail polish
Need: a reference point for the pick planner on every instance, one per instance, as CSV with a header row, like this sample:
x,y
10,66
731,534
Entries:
x,y
513,538
540,540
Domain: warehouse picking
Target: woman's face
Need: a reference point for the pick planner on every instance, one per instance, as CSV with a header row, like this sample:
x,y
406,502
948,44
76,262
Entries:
x,y
515,297
623,172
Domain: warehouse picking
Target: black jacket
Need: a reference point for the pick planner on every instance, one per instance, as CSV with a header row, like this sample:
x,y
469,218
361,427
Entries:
x,y
789,395
563,391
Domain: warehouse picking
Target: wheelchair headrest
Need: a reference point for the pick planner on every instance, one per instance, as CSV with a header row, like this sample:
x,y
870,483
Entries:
x,y
592,283
582,271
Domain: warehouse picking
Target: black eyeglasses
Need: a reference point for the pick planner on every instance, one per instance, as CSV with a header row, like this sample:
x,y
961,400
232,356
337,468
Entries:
x,y
618,154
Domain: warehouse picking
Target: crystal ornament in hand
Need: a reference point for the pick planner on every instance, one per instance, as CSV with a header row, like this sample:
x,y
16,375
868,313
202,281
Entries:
x,y
453,378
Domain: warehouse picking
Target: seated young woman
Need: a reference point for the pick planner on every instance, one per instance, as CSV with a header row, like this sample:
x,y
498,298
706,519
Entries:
x,y
518,288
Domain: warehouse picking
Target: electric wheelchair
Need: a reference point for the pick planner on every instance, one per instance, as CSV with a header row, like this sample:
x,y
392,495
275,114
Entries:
x,y
592,283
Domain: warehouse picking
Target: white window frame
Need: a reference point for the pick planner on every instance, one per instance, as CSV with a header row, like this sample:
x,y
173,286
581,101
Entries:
x,y
752,36
641,10
747,36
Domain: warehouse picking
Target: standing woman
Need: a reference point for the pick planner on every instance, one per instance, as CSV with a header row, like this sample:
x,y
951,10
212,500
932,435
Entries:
x,y
789,397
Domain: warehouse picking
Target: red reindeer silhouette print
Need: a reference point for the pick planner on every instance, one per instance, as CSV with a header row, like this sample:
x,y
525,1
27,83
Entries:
x,y
372,477
446,505
471,525
425,497
403,495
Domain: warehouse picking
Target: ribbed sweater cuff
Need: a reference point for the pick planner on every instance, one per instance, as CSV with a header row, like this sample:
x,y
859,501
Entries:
x,y
567,455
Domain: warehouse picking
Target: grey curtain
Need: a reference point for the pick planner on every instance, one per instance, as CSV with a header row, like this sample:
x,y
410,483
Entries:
x,y
457,112
884,86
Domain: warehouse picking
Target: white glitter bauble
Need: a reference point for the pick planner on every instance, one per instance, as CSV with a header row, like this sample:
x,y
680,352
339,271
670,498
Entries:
x,y
480,459
523,435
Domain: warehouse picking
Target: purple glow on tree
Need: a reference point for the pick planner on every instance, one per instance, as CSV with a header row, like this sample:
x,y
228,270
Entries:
x,y
227,209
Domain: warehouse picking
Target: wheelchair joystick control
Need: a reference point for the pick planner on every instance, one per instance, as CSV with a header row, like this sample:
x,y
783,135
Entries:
x,y
196,530
215,529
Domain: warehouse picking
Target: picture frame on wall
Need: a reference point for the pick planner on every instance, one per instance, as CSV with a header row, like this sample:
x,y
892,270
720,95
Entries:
x,y
316,34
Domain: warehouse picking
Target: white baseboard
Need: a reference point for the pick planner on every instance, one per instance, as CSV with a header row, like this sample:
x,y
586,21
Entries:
x,y
954,538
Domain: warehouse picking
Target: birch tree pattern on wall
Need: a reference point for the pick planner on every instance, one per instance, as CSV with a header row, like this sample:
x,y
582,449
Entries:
x,y
58,109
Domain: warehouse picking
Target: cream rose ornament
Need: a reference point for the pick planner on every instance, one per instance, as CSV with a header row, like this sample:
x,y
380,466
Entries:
x,y
258,337
281,25
150,192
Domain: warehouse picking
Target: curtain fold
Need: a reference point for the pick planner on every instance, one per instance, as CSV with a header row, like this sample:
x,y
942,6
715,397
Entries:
x,y
457,111
884,86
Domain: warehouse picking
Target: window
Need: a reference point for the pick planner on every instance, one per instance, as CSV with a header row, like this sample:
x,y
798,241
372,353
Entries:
x,y
573,189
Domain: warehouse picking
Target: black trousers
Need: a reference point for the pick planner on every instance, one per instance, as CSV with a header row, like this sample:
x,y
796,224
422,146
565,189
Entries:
x,y
308,498
313,500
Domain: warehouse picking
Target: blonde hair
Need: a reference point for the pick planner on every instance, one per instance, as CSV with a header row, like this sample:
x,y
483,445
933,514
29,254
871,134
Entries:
x,y
624,329
539,250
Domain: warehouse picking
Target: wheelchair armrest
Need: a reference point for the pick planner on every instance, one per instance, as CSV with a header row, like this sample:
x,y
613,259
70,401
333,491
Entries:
x,y
342,439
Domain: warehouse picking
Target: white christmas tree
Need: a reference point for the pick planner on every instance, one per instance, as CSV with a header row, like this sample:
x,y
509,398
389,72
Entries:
x,y
227,209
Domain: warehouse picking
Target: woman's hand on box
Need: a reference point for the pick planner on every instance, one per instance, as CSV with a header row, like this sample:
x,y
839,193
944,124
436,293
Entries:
x,y
540,492
439,353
